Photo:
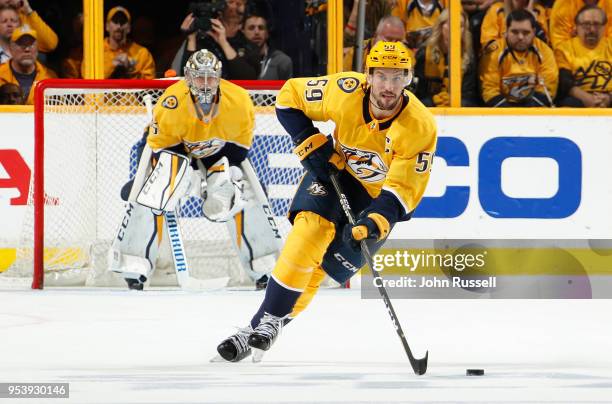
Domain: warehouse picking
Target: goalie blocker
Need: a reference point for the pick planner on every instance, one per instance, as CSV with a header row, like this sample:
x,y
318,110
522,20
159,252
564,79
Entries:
x,y
231,194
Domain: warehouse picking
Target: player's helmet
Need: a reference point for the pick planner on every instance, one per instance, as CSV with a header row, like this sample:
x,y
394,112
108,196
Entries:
x,y
203,72
392,55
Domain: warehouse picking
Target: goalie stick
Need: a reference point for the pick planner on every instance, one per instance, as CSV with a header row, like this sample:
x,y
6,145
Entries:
x,y
418,365
177,248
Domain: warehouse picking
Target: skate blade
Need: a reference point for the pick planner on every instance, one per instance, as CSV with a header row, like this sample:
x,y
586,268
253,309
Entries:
x,y
217,358
257,354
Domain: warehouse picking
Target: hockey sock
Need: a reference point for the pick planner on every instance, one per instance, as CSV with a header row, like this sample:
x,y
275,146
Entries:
x,y
311,289
303,252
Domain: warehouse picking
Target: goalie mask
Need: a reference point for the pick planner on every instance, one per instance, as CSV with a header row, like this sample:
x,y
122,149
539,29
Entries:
x,y
203,73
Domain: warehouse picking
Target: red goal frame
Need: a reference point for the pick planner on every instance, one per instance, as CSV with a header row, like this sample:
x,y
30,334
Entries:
x,y
39,144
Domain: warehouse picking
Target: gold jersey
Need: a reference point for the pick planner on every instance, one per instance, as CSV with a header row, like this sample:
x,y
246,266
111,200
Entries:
x,y
562,15
590,68
180,120
494,22
418,22
392,154
516,75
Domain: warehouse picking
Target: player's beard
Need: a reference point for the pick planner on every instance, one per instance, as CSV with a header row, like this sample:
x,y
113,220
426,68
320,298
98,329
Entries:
x,y
384,103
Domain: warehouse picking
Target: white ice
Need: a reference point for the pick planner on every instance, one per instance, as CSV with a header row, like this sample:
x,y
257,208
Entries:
x,y
119,346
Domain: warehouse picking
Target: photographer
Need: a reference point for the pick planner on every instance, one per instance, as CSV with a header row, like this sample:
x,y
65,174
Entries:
x,y
216,25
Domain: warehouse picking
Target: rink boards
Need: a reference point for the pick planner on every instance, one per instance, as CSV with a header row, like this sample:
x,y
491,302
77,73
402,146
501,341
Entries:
x,y
495,176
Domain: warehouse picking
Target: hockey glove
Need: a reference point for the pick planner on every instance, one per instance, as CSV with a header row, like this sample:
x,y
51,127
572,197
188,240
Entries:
x,y
318,156
374,226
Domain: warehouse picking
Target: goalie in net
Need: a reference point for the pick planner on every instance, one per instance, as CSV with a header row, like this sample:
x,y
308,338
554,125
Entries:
x,y
195,145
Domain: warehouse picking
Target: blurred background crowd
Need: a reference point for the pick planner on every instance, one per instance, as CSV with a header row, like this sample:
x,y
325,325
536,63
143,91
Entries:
x,y
519,53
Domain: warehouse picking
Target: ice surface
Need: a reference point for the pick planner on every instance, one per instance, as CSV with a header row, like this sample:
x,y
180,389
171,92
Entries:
x,y
119,346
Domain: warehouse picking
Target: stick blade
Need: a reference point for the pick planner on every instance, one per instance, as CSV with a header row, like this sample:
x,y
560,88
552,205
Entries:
x,y
420,365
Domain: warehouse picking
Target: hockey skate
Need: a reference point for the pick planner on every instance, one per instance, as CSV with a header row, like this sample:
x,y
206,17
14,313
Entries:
x,y
236,347
261,283
134,284
265,333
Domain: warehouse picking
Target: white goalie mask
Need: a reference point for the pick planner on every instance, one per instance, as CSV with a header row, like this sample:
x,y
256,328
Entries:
x,y
203,73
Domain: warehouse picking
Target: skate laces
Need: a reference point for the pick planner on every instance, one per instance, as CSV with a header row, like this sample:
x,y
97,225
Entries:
x,y
241,338
269,326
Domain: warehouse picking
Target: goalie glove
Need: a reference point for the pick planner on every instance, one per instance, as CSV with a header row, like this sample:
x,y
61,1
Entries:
x,y
317,155
374,226
226,193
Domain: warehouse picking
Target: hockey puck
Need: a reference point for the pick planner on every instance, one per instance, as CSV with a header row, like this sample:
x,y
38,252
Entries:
x,y
474,372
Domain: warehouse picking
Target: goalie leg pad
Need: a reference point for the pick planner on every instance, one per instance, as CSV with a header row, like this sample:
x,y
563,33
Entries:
x,y
167,183
135,248
254,231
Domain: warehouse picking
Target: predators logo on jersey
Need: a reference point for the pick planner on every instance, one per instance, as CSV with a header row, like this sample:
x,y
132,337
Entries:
x,y
170,102
519,88
204,148
367,166
348,84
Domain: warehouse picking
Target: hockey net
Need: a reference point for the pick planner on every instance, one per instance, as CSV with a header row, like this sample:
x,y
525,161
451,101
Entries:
x,y
86,132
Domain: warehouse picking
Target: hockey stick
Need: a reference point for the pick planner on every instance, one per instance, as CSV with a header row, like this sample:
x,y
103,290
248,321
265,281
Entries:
x,y
172,227
418,365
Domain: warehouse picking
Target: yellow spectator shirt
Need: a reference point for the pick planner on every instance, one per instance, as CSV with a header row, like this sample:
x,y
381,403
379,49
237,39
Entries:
x,y
515,75
392,154
46,37
143,66
42,72
418,25
562,16
591,68
494,23
179,120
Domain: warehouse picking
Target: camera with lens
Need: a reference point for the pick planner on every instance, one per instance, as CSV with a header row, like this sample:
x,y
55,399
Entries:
x,y
203,11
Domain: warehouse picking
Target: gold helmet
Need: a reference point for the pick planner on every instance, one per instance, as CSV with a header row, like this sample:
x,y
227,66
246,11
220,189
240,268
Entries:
x,y
393,55
205,64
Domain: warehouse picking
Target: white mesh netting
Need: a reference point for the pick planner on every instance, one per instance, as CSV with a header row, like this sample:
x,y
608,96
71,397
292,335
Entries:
x,y
90,139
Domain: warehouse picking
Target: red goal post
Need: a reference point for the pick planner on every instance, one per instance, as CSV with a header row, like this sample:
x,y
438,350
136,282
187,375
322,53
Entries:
x,y
63,115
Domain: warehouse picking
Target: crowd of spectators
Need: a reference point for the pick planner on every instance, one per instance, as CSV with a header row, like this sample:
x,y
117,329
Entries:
x,y
513,52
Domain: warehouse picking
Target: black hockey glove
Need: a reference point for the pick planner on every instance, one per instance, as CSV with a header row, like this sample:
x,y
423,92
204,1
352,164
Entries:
x,y
374,226
318,156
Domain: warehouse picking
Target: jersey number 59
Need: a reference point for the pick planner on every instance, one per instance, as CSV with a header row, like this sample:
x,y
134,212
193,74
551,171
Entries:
x,y
314,90
424,160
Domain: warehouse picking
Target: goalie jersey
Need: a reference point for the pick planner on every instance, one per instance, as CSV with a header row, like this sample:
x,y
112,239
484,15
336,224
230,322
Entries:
x,y
179,121
390,158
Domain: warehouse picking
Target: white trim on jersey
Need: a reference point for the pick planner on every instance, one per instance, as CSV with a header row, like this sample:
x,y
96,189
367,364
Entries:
x,y
285,286
401,201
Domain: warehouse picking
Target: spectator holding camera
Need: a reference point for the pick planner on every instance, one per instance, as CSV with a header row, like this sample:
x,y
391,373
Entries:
x,y
216,26
275,65
124,58
47,38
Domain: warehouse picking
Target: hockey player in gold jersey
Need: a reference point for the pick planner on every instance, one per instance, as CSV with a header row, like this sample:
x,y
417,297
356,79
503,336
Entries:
x,y
200,124
383,146
201,130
